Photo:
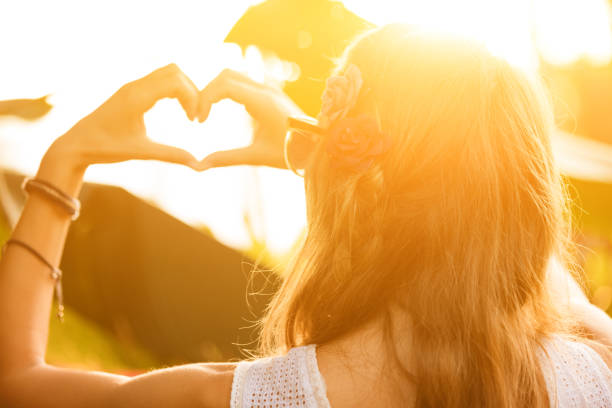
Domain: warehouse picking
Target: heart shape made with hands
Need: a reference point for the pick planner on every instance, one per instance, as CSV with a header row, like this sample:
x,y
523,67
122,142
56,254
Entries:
x,y
227,128
268,107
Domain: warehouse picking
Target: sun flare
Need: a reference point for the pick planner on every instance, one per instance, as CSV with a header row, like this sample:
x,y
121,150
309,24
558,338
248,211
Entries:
x,y
71,62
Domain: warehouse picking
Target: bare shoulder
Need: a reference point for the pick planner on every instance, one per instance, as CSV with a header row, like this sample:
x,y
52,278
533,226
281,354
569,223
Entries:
x,y
604,351
191,385
219,377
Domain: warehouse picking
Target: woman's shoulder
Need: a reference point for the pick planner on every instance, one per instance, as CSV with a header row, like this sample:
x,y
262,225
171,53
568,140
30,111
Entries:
x,y
576,376
278,380
575,373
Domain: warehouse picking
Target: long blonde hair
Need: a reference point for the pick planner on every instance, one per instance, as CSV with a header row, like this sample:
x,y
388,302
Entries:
x,y
457,225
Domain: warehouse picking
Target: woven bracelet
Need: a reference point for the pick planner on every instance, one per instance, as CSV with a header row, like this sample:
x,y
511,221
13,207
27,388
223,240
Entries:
x,y
56,274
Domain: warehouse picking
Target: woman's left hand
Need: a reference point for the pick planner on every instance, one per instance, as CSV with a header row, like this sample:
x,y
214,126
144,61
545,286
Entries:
x,y
116,131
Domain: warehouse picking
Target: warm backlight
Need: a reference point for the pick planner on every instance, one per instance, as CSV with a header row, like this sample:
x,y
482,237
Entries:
x,y
82,51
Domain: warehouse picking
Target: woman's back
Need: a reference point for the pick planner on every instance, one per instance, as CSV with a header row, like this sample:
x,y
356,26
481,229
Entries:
x,y
576,376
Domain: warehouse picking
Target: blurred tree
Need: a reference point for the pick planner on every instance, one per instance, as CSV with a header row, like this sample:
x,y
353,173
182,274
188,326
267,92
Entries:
x,y
157,282
582,93
309,33
27,109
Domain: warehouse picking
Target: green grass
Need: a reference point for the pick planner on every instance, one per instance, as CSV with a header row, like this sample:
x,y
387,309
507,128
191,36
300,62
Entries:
x,y
78,342
593,217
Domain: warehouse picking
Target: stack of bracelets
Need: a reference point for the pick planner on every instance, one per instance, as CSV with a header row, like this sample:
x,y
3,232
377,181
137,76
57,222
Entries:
x,y
73,207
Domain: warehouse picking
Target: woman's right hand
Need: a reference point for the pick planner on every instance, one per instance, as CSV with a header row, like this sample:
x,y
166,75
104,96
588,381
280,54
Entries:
x,y
268,106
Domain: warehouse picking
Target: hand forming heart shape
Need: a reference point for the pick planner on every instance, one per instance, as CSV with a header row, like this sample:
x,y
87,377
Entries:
x,y
116,131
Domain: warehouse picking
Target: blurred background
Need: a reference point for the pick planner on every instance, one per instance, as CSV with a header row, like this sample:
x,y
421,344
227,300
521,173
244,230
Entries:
x,y
158,267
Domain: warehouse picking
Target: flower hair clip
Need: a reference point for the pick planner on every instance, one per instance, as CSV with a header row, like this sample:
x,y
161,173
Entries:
x,y
340,95
353,143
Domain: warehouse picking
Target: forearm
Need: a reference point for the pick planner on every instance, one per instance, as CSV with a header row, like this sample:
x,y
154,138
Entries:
x,y
26,291
114,132
26,286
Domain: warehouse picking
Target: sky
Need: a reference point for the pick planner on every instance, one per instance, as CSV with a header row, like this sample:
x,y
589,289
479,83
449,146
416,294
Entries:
x,y
81,52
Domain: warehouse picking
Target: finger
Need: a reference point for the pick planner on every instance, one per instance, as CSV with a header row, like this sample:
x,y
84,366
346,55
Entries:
x,y
224,158
251,155
166,82
237,87
263,88
169,154
240,77
188,95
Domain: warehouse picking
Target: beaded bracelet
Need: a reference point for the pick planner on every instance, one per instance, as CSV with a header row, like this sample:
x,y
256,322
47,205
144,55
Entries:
x,y
56,274
70,204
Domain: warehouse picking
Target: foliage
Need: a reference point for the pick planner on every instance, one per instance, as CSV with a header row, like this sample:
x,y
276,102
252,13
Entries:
x,y
593,219
78,342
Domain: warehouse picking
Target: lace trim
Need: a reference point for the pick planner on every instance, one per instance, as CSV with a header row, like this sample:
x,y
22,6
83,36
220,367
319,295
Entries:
x,y
240,374
576,376
318,383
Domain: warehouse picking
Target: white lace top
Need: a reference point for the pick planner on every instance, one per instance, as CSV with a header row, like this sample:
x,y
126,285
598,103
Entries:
x,y
576,377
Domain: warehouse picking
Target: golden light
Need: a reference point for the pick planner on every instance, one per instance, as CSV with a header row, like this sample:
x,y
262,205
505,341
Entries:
x,y
567,31
563,30
80,52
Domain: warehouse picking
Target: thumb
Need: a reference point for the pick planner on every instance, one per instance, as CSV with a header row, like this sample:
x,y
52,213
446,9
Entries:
x,y
170,154
234,157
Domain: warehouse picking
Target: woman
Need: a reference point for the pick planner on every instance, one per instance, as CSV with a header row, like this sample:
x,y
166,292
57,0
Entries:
x,y
427,277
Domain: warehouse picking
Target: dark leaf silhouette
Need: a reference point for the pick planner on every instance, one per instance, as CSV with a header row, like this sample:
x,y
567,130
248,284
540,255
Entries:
x,y
27,109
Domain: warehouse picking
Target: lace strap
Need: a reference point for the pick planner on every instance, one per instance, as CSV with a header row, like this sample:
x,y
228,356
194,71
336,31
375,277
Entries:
x,y
238,384
316,379
291,380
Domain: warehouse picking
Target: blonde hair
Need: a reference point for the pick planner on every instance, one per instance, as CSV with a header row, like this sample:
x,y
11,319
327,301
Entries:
x,y
456,226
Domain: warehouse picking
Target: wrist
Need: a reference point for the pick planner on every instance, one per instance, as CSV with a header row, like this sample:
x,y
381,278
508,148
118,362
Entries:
x,y
59,168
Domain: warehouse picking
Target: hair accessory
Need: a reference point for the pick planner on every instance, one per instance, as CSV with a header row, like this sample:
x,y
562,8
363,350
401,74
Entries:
x,y
56,274
340,95
70,204
356,142
353,142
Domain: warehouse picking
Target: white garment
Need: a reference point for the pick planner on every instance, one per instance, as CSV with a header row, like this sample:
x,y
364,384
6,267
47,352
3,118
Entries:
x,y
576,377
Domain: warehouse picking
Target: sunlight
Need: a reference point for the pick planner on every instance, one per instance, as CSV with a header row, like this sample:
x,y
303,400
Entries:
x,y
564,30
81,61
91,48
567,31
